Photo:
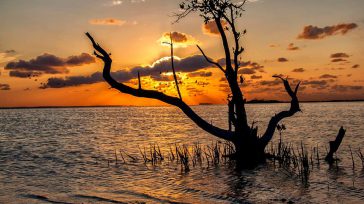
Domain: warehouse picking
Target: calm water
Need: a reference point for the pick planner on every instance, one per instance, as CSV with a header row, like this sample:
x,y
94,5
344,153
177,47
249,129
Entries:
x,y
60,155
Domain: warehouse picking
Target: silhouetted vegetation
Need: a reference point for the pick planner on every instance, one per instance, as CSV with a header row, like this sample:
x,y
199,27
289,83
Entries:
x,y
249,147
297,161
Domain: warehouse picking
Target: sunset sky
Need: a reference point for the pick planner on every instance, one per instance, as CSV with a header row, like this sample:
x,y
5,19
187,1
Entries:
x,y
46,60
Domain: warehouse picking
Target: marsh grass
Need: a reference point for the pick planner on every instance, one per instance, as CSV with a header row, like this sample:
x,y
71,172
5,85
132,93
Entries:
x,y
297,160
294,160
154,155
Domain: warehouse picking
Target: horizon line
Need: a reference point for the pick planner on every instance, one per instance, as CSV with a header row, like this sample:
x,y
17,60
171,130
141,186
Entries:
x,y
200,104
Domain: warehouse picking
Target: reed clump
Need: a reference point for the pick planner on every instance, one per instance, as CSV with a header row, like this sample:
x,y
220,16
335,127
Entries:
x,y
154,155
295,159
185,155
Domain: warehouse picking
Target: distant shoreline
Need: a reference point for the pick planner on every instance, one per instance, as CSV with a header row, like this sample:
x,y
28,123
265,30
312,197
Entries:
x,y
201,104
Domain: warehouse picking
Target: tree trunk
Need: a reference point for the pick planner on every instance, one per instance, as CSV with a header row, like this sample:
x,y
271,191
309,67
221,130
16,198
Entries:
x,y
249,147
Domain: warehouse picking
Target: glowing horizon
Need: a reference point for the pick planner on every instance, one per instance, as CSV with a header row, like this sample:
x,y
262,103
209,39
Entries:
x,y
45,59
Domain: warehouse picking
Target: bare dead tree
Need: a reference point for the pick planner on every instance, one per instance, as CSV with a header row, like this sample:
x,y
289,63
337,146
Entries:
x,y
248,145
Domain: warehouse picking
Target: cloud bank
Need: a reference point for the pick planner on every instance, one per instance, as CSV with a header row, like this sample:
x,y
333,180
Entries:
x,y
311,32
186,65
47,64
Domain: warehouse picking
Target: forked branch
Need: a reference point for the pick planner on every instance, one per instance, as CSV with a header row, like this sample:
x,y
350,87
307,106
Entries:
x,y
295,107
105,57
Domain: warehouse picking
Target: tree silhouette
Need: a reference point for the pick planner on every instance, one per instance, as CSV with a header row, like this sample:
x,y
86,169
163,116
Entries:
x,y
249,147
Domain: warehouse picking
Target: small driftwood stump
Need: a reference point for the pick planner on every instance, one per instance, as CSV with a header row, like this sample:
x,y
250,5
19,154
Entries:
x,y
334,145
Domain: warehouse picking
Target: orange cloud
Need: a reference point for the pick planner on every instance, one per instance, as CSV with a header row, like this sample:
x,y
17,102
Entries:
x,y
210,27
179,39
299,70
292,47
7,56
4,87
107,21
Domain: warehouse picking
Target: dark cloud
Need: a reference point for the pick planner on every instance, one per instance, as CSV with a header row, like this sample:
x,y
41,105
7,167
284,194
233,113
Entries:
x,y
339,55
338,60
315,82
292,47
82,59
299,70
200,74
328,76
4,87
164,77
318,84
252,65
121,76
313,32
246,71
255,77
346,88
355,66
282,59
72,81
47,64
24,74
211,28
274,82
246,67
244,64
10,51
189,64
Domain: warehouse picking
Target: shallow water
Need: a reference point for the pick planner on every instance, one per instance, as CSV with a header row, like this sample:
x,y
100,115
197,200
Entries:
x,y
60,156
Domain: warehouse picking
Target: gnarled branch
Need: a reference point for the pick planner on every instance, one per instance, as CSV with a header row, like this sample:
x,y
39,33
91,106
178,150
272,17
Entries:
x,y
295,107
209,60
102,54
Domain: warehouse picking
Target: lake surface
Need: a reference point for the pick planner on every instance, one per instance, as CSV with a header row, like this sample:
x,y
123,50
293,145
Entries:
x,y
60,156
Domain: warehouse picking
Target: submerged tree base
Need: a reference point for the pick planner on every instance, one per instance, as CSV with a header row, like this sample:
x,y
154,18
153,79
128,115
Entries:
x,y
297,160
